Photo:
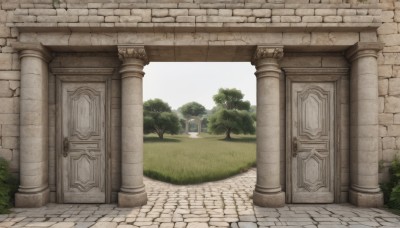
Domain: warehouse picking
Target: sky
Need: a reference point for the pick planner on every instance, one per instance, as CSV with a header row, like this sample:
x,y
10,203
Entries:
x,y
178,83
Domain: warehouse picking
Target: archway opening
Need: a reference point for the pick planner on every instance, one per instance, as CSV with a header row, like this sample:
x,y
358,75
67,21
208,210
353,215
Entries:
x,y
199,151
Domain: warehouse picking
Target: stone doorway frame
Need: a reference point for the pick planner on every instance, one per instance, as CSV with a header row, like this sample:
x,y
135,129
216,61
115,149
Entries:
x,y
102,75
34,188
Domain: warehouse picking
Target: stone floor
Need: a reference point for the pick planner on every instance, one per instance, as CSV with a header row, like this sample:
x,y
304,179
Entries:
x,y
224,203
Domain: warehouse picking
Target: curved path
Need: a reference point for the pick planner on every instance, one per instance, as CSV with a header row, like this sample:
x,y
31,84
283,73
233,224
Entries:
x,y
194,135
225,203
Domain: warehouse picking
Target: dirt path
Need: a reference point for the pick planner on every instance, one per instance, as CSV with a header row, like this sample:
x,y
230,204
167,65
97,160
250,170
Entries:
x,y
194,135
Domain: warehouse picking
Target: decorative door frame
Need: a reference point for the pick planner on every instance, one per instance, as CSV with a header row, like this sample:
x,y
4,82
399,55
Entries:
x,y
82,75
314,75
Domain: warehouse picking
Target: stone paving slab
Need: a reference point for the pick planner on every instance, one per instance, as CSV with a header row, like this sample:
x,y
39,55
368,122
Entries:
x,y
225,203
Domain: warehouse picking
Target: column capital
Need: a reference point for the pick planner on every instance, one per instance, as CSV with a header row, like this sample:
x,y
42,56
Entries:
x,y
363,49
133,51
32,49
262,52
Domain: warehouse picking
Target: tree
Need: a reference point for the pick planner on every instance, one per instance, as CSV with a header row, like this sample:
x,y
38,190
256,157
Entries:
x,y
231,114
190,110
158,118
231,99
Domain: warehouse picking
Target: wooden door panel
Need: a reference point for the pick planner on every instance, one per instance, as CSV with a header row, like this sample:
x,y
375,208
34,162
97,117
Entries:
x,y
83,162
313,112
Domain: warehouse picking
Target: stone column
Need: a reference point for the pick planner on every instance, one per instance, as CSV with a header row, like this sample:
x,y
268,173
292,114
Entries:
x,y
187,126
268,192
198,125
364,133
34,185
132,191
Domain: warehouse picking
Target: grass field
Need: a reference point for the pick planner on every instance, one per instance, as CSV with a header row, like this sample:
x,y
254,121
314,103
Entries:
x,y
183,160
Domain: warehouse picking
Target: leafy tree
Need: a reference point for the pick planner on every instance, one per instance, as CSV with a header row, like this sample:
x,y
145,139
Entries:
x,y
253,112
231,114
158,118
231,99
192,109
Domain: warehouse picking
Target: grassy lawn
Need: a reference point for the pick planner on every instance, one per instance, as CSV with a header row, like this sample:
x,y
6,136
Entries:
x,y
182,160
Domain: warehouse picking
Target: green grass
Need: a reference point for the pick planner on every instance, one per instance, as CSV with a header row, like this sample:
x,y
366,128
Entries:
x,y
182,160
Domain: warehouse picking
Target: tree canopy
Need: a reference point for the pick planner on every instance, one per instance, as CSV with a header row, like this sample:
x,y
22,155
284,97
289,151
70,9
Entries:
x,y
231,99
192,109
158,118
231,114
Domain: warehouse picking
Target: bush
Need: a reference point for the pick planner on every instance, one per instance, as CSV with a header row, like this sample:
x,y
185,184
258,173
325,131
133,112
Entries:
x,y
8,186
391,190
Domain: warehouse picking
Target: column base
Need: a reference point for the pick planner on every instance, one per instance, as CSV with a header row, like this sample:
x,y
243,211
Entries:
x,y
132,200
361,199
269,200
29,200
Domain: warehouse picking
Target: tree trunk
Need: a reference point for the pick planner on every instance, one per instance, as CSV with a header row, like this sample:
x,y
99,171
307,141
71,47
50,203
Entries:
x,y
160,135
228,134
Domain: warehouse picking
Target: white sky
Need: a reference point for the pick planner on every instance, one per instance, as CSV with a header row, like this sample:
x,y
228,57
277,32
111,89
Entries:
x,y
180,82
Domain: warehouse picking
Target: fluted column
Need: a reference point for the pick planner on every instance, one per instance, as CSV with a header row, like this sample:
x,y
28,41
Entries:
x,y
34,181
364,133
132,191
268,192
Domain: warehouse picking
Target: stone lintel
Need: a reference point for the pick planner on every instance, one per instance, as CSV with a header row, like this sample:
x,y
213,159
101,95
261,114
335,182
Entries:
x,y
199,27
22,46
316,71
133,51
352,52
270,51
81,71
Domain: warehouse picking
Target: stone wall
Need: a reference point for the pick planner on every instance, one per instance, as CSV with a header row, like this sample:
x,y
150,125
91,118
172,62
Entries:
x,y
9,93
197,16
191,15
389,82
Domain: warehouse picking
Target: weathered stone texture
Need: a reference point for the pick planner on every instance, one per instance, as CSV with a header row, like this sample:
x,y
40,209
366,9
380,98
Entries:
x,y
389,84
85,15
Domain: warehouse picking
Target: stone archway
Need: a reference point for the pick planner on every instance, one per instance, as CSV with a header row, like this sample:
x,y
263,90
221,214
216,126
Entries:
x,y
197,120
268,192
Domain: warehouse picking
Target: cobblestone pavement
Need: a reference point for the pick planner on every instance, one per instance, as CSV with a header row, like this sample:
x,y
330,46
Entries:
x,y
225,203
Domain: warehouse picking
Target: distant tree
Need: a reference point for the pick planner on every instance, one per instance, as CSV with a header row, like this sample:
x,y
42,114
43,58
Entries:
x,y
231,99
231,114
190,110
204,123
158,118
253,112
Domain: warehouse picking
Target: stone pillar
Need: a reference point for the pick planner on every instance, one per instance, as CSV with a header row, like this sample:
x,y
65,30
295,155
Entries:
x,y
187,126
198,125
268,192
132,191
364,133
34,163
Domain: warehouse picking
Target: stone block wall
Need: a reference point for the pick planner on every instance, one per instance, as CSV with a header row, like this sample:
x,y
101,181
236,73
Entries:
x,y
389,83
190,14
9,93
194,16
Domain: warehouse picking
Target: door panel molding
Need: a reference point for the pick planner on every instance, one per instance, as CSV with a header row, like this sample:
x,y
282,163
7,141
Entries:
x,y
313,75
83,75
